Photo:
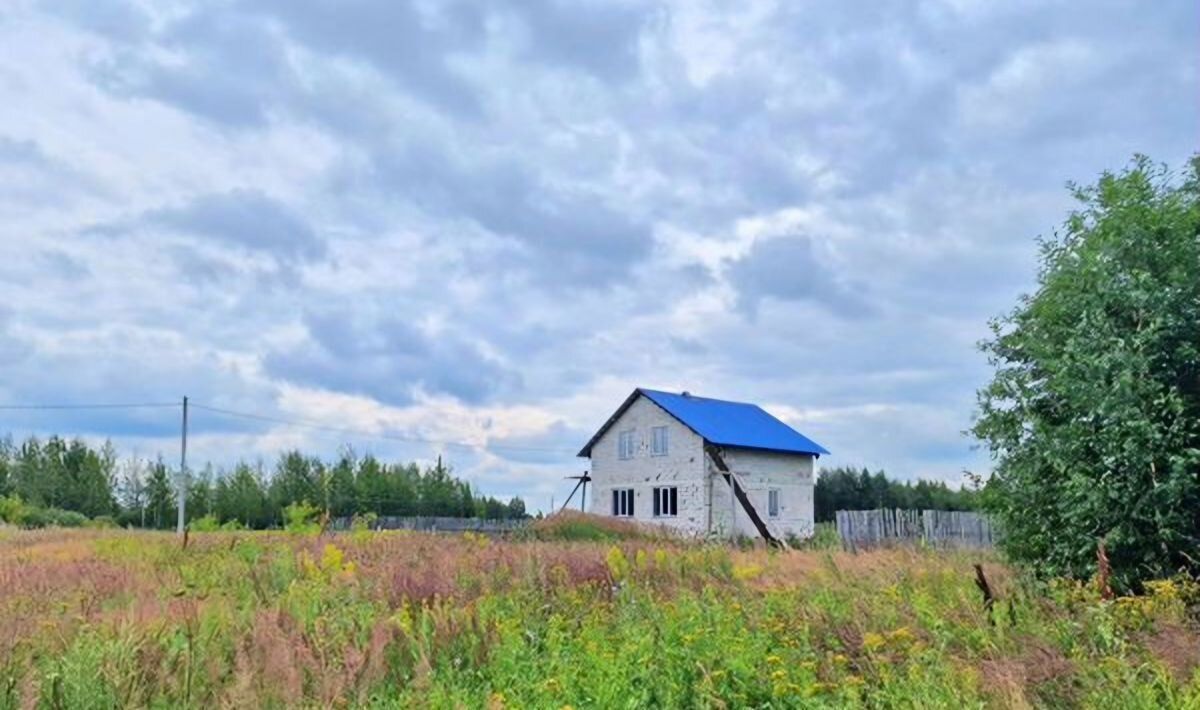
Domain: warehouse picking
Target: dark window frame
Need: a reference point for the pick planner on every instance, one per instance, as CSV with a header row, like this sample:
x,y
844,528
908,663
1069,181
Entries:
x,y
666,501
622,503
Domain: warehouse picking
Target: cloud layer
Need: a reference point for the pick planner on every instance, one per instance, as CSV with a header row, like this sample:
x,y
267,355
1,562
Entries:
x,y
448,223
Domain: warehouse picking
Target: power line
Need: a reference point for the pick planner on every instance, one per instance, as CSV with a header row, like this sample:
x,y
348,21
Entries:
x,y
375,435
124,405
362,433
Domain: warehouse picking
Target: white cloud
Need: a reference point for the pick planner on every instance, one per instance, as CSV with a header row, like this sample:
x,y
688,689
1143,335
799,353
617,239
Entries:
x,y
488,225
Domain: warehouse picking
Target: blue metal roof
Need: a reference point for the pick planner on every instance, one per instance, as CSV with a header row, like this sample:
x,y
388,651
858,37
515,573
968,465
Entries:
x,y
724,423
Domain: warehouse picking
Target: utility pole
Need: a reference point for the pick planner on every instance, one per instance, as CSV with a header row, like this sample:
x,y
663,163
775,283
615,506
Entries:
x,y
182,483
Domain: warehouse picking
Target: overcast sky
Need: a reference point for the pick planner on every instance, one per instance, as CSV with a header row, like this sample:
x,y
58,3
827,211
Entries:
x,y
471,222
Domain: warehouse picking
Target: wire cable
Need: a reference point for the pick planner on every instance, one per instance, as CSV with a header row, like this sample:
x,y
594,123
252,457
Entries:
x,y
376,435
287,422
125,405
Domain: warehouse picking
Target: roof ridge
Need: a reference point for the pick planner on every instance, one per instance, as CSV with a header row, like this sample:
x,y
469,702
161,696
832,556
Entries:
x,y
689,395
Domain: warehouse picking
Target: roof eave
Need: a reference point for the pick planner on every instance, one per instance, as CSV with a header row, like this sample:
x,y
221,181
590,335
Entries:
x,y
586,451
821,450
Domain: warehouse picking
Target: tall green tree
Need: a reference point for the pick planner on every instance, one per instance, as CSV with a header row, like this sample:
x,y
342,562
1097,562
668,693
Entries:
x,y
241,496
72,475
338,484
200,493
440,493
131,493
1093,415
842,488
161,500
8,458
88,478
31,478
371,486
298,479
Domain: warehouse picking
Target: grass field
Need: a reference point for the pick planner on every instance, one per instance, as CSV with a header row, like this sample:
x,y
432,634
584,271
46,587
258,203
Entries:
x,y
128,619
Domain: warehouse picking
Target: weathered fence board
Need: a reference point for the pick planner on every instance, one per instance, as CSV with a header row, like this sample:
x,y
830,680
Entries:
x,y
434,524
939,528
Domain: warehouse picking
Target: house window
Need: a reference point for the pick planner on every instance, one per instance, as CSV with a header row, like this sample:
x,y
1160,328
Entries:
x,y
659,442
622,502
773,503
666,502
625,444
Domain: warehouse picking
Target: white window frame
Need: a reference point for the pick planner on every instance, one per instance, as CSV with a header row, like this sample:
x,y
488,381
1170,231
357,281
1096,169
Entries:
x,y
625,444
622,503
666,502
773,502
659,440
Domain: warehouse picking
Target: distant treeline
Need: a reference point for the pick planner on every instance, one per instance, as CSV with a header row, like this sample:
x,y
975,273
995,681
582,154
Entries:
x,y
850,489
61,475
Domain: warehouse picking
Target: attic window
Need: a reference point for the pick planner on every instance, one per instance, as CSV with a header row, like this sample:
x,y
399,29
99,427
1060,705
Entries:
x,y
659,442
625,444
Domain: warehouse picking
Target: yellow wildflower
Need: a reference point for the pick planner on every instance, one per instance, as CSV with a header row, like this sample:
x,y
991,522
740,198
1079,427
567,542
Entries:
x,y
618,564
902,636
743,573
872,641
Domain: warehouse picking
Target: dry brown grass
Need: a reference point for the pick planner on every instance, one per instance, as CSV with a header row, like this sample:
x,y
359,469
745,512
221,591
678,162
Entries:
x,y
1177,648
576,525
282,629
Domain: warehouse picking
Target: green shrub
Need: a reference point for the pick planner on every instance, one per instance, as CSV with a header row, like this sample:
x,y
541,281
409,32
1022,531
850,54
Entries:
x,y
825,537
52,517
572,525
12,510
208,523
363,522
301,518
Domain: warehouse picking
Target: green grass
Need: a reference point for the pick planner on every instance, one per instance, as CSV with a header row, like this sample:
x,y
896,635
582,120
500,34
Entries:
x,y
570,526
98,618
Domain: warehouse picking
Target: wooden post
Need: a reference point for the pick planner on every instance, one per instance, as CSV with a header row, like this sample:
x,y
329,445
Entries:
x,y
581,481
1104,570
181,491
742,497
988,600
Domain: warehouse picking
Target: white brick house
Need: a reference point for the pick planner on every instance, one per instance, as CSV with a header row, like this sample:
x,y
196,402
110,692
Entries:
x,y
703,466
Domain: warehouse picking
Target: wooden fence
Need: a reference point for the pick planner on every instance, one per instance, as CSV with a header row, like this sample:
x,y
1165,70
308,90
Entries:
x,y
939,528
435,524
